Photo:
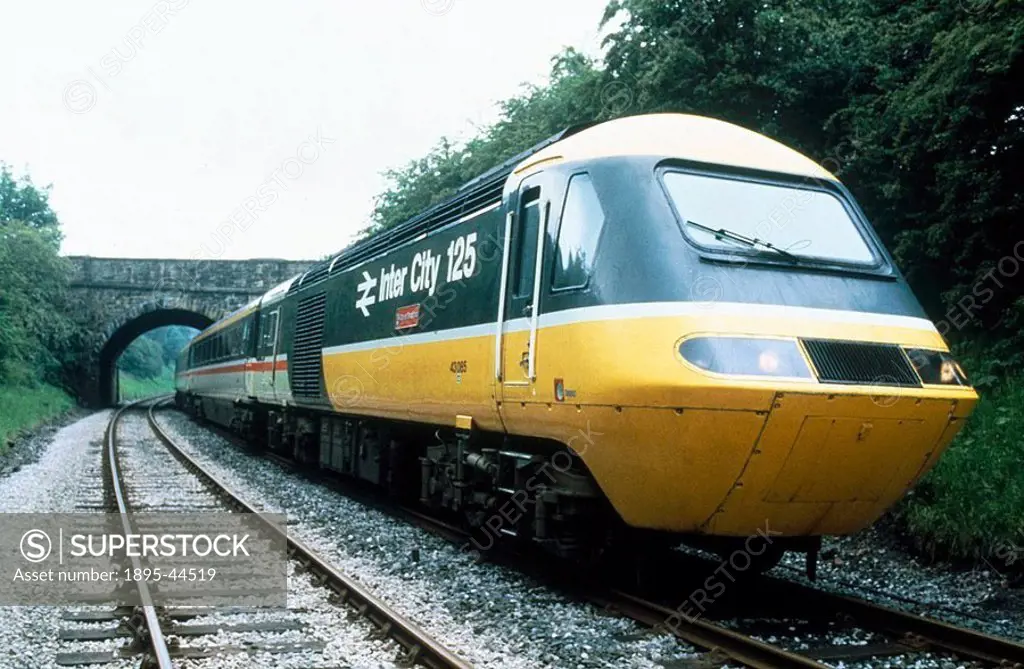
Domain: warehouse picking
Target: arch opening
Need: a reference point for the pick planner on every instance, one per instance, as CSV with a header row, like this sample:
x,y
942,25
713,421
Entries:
x,y
129,332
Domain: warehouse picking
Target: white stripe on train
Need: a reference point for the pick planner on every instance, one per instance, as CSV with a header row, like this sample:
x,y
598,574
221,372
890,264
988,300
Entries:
x,y
611,312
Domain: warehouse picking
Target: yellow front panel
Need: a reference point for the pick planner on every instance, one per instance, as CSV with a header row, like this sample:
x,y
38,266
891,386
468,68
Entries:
x,y
858,443
831,464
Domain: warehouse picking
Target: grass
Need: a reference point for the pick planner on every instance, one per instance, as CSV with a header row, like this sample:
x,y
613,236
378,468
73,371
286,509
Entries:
x,y
971,506
23,408
133,388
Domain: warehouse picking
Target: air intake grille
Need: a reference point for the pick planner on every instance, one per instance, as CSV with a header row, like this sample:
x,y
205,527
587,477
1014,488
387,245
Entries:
x,y
307,361
860,363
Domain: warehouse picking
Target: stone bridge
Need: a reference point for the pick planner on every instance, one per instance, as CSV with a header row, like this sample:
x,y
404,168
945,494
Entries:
x,y
118,299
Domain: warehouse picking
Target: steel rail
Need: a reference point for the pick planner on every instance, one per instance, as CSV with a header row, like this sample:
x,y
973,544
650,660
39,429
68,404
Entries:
x,y
960,641
154,637
420,647
740,647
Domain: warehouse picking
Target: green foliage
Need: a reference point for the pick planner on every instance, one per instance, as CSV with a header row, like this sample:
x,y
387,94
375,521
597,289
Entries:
x,y
171,340
26,407
940,132
144,358
35,331
780,67
133,388
972,503
22,201
146,368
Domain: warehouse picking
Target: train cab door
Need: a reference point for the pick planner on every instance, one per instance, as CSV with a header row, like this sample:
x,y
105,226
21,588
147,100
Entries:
x,y
522,264
251,350
266,355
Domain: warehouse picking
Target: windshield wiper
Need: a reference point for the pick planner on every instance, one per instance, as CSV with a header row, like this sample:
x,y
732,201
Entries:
x,y
746,241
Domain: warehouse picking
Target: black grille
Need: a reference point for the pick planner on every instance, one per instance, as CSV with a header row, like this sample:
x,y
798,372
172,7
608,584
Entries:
x,y
860,363
306,365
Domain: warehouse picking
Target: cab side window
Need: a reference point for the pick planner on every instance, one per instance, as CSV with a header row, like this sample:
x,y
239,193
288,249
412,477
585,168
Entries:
x,y
526,251
578,233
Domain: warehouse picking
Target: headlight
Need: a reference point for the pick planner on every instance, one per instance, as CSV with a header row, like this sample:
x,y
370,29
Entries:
x,y
936,367
746,356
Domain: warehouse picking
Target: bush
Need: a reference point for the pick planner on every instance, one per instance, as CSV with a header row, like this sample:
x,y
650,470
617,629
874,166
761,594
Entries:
x,y
972,504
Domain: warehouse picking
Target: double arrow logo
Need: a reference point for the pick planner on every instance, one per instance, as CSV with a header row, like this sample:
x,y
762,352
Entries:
x,y
364,288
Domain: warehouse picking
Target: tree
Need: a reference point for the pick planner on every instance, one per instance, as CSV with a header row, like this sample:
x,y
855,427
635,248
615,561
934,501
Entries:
x,y
22,201
143,359
917,105
943,141
171,339
35,331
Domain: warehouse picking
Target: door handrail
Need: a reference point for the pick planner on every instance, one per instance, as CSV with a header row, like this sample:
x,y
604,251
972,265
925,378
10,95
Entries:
x,y
501,296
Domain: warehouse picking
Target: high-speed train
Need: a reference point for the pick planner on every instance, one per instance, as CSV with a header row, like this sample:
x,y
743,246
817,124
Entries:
x,y
662,326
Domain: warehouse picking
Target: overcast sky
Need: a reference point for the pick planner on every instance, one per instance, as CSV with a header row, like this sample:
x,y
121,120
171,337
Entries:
x,y
158,121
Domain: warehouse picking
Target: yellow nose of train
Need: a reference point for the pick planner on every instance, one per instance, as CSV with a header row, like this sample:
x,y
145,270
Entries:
x,y
807,421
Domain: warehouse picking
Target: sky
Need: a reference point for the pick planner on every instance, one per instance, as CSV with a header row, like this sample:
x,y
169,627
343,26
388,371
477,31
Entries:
x,y
249,128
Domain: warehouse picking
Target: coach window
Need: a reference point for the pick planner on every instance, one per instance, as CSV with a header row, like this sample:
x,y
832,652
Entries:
x,y
578,233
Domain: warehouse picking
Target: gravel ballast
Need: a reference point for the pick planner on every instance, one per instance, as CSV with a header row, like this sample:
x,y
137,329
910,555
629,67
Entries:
x,y
157,481
62,476
868,565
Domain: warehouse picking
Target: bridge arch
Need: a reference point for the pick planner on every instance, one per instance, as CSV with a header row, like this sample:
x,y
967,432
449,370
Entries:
x,y
145,318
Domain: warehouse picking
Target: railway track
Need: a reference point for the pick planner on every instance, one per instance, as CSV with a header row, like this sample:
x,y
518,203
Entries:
x,y
785,611
157,635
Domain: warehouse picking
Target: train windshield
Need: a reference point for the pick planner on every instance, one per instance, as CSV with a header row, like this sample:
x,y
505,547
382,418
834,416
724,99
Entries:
x,y
791,222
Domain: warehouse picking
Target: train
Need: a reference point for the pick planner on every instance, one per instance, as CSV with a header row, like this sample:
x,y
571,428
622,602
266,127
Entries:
x,y
662,328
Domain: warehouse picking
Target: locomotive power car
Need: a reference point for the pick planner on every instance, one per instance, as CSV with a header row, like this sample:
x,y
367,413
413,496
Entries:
x,y
658,326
